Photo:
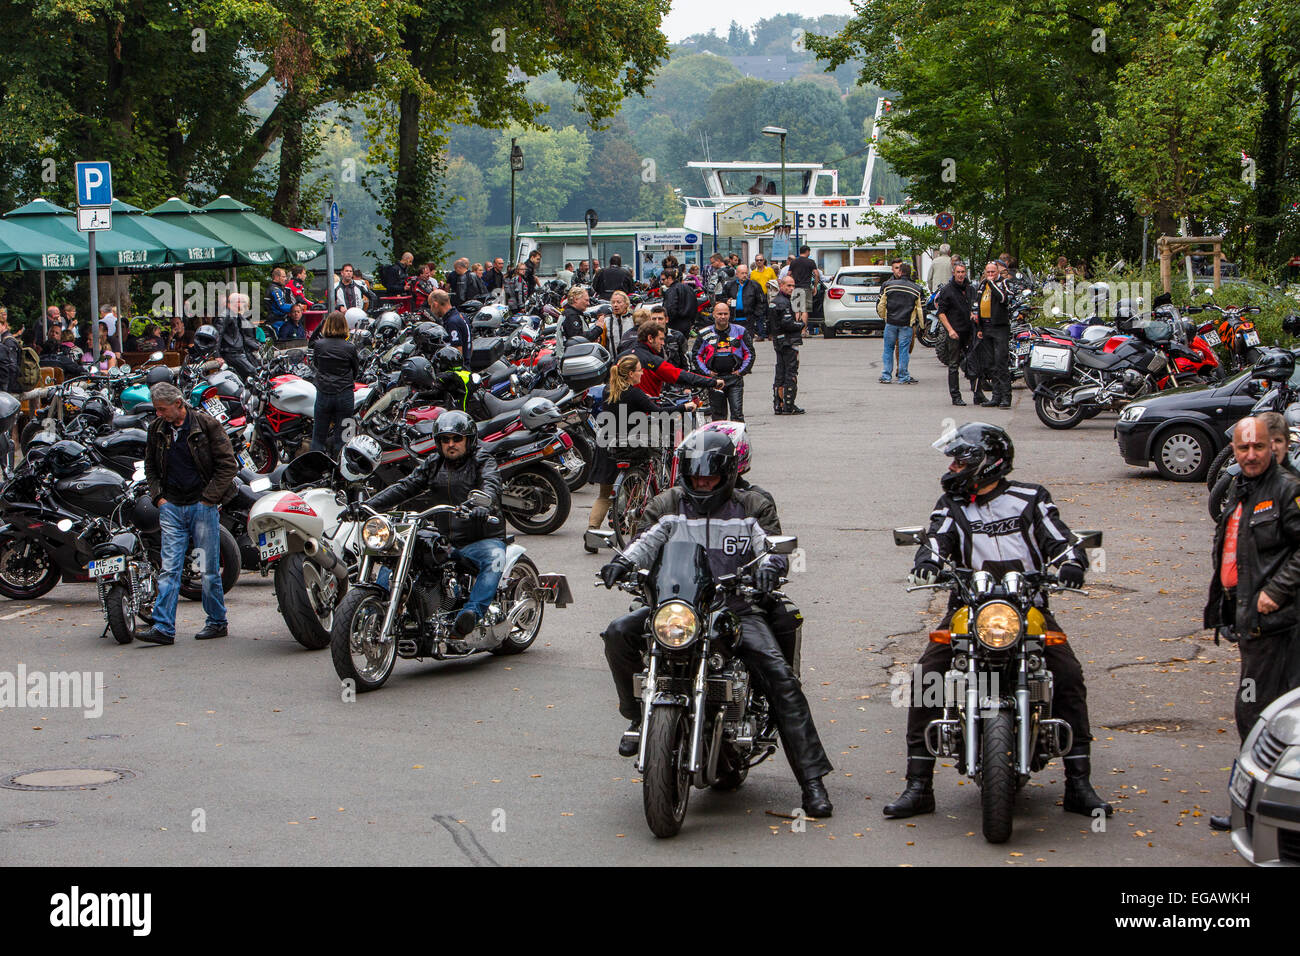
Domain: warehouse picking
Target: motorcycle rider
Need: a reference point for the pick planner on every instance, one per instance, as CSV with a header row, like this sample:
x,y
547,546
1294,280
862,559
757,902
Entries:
x,y
953,306
447,476
992,322
787,336
985,522
573,324
705,507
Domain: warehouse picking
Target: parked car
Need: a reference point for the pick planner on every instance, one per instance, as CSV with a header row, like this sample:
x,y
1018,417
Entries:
x,y
1180,431
1264,788
850,304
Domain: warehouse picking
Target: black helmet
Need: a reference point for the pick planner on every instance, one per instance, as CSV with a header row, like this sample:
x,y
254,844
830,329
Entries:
x,y
98,408
144,513
417,373
1291,324
701,455
65,458
985,453
1275,365
447,358
429,337
557,286
205,339
456,423
388,327
158,374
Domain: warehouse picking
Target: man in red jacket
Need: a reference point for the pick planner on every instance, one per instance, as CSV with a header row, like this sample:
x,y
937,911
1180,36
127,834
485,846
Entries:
x,y
658,371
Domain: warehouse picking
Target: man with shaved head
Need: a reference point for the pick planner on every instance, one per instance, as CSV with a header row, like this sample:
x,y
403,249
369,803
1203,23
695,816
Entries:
x,y
1255,589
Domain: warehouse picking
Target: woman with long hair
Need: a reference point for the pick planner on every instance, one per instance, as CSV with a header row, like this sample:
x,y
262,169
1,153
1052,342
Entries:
x,y
337,367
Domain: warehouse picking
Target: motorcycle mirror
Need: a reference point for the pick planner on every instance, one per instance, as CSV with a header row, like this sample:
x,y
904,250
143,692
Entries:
x,y
906,536
782,544
155,356
476,378
65,525
593,538
479,499
1088,539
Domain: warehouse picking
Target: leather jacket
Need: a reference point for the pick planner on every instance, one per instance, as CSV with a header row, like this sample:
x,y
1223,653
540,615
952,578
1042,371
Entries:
x,y
210,447
1268,556
785,329
447,485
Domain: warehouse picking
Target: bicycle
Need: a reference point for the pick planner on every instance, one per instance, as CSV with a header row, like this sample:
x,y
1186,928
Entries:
x,y
642,474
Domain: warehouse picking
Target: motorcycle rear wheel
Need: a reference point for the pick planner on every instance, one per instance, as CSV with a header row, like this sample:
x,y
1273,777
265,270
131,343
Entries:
x,y
117,602
192,581
1217,465
543,485
666,787
298,583
26,570
357,657
1053,415
998,775
1219,495
523,578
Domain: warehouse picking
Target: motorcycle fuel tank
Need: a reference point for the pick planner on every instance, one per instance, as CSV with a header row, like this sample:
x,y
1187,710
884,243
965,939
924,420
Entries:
x,y
294,396
96,491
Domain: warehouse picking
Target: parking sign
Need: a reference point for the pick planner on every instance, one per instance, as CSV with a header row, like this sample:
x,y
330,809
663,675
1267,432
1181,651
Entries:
x,y
94,184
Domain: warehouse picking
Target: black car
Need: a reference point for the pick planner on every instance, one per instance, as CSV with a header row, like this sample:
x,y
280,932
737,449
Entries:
x,y
1180,431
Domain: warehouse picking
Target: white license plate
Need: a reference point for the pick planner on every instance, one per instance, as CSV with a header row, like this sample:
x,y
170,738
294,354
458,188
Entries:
x,y
1024,347
1211,338
104,566
246,460
1240,785
272,544
864,298
1252,338
216,408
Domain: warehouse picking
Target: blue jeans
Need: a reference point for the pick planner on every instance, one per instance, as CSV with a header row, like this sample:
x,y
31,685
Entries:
x,y
181,525
901,336
488,555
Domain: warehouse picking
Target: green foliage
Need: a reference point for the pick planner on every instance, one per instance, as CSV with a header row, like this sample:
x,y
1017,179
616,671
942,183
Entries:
x,y
555,166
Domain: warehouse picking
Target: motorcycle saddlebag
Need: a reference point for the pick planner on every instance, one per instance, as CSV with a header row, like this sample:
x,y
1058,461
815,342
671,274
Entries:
x,y
585,365
484,351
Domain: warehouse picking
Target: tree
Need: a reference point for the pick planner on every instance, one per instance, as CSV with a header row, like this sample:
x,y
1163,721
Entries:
x,y
469,199
555,167
614,181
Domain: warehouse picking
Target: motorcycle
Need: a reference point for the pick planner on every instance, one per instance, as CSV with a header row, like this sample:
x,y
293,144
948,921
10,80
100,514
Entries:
x,y
1234,332
703,723
125,579
410,587
997,718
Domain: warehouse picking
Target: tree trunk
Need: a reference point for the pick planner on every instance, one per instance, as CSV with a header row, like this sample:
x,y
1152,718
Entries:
x,y
410,178
284,207
1271,162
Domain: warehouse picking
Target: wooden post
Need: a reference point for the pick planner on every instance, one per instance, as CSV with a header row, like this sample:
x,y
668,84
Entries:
x,y
1216,254
1166,279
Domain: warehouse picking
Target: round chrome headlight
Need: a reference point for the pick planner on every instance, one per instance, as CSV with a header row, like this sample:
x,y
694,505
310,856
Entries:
x,y
675,624
998,625
377,533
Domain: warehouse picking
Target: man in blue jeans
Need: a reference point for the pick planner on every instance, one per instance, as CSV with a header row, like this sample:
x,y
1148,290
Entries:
x,y
446,477
902,297
190,467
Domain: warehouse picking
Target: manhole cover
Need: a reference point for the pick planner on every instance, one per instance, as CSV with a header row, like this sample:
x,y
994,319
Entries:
x,y
71,778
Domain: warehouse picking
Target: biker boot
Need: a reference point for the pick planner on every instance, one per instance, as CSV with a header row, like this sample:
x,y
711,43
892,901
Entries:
x,y
918,796
1079,795
628,744
790,407
778,403
816,802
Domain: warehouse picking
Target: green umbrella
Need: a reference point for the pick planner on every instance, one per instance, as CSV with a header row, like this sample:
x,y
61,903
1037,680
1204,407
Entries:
x,y
250,245
185,246
296,247
23,250
125,246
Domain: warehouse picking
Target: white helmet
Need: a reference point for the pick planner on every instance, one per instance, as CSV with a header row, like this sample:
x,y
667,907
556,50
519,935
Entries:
x,y
739,436
359,458
354,316
390,314
537,412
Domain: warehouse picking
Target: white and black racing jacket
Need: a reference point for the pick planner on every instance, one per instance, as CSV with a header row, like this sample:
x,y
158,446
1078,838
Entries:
x,y
732,535
1015,527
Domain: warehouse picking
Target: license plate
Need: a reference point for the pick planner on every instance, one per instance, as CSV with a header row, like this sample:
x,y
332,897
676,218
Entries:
x,y
272,544
1252,338
1240,785
246,460
864,298
1211,338
216,409
1022,348
105,566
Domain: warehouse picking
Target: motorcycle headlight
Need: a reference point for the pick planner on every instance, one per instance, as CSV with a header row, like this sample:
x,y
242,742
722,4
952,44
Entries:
x,y
377,533
675,624
998,625
1132,413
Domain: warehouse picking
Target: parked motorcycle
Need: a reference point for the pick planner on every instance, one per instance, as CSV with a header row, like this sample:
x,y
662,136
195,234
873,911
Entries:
x,y
997,718
410,588
126,580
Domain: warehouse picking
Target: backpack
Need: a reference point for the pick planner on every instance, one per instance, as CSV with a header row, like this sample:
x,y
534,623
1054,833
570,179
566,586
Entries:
x,y
29,369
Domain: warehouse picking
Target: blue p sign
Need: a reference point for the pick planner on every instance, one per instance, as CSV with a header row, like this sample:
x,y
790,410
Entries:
x,y
94,184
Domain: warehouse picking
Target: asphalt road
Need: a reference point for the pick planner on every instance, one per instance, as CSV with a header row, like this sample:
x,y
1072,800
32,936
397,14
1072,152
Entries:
x,y
243,752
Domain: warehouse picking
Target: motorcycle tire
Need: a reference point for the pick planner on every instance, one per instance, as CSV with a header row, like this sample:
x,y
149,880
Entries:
x,y
192,584
523,577
17,555
575,464
1217,465
929,339
369,603
1052,415
265,456
548,489
294,581
666,785
998,775
1219,495
118,602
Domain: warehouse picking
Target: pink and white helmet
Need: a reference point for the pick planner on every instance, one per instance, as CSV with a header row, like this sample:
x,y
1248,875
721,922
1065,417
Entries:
x,y
739,437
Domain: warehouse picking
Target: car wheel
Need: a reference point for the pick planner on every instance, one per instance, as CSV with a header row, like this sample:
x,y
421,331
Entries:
x,y
1183,454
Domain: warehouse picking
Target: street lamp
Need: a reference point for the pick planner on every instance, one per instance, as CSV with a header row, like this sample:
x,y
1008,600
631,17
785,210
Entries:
x,y
516,166
779,131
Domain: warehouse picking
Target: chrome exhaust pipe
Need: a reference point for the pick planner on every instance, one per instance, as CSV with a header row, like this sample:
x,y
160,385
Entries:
x,y
326,560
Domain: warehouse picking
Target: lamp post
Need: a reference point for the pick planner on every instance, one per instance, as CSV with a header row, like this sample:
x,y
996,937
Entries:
x,y
516,166
780,131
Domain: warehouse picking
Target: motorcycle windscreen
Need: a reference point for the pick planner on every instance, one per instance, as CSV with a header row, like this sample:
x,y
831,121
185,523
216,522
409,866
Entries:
x,y
682,573
310,468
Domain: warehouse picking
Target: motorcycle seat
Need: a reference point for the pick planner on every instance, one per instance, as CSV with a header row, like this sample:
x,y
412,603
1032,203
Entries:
x,y
136,419
1097,360
498,406
495,424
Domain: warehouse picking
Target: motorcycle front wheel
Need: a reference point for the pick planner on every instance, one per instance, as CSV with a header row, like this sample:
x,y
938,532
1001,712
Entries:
x,y
27,570
1054,415
998,775
117,604
354,640
666,787
547,498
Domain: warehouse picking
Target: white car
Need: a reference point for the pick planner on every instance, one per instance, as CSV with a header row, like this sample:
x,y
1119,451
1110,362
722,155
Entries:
x,y
1265,787
850,304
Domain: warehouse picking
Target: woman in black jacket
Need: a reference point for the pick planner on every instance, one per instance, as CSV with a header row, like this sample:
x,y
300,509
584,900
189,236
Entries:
x,y
337,368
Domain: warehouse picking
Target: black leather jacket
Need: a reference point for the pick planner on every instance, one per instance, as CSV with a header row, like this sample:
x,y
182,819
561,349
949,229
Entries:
x,y
1268,556
447,485
784,328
